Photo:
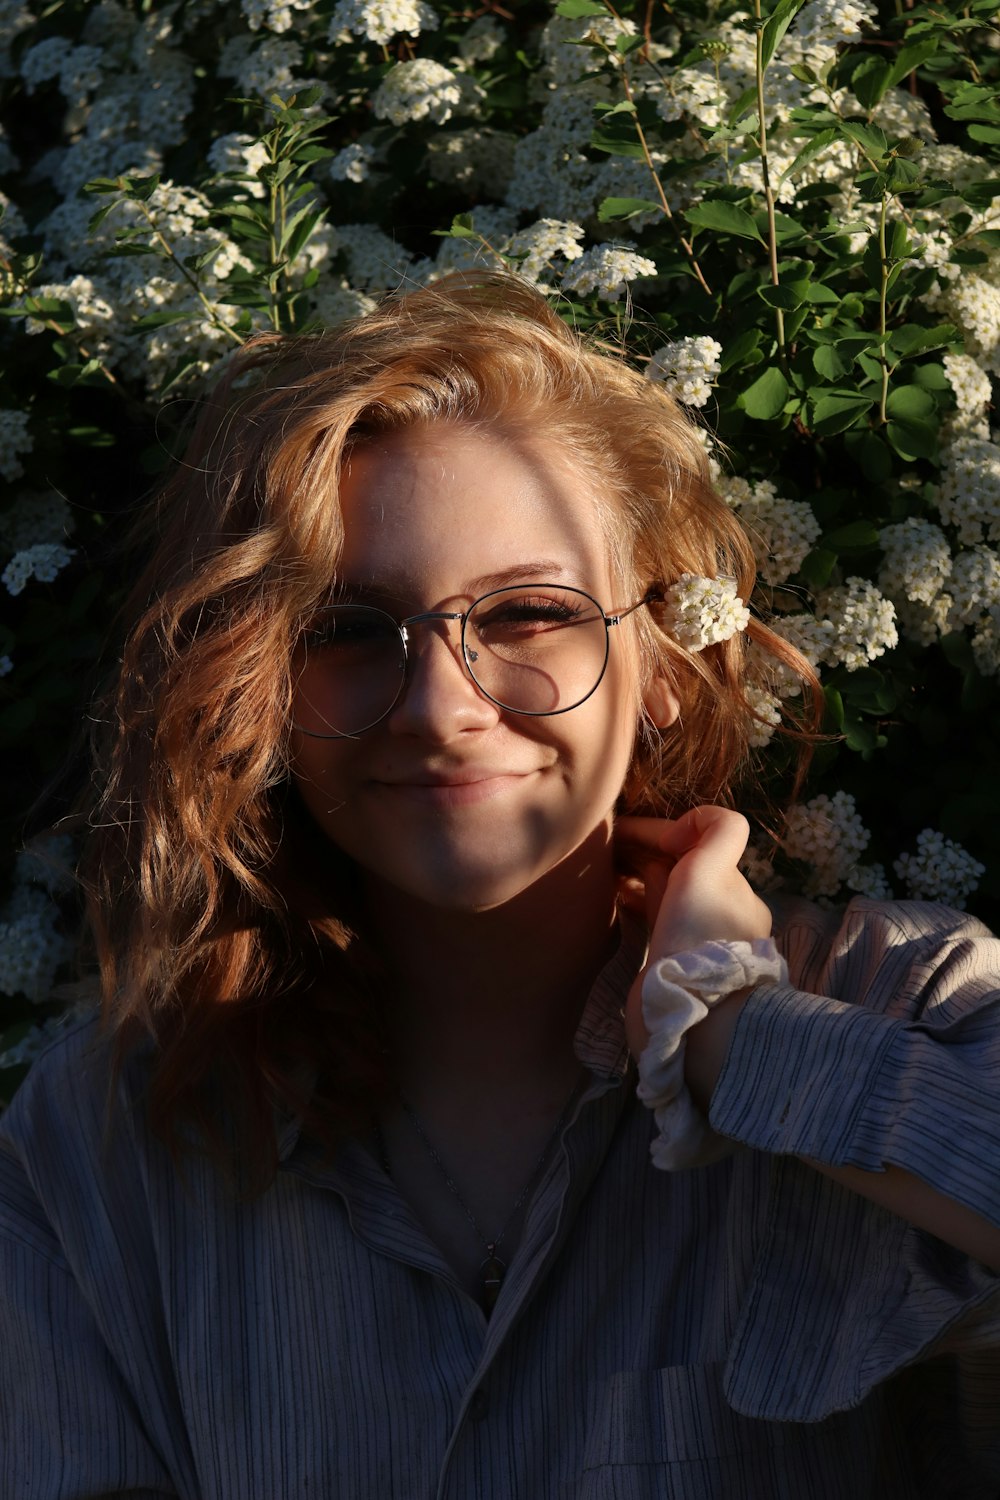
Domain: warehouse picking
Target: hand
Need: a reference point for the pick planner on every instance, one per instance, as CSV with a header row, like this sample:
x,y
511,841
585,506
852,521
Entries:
x,y
683,874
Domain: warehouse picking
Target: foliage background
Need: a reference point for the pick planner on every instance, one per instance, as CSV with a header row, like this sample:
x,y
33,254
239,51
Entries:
x,y
790,212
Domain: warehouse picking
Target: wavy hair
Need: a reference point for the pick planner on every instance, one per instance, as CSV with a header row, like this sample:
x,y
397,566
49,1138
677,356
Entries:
x,y
209,890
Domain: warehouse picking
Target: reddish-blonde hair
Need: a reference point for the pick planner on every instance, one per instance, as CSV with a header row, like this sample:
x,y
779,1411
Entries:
x,y
209,902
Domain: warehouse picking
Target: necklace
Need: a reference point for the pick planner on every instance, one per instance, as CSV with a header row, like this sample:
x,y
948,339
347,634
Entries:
x,y
493,1269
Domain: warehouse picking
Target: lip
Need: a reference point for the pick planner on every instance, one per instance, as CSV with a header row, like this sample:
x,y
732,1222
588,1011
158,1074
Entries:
x,y
459,788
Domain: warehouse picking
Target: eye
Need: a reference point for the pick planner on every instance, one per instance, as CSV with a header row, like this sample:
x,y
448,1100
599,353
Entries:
x,y
346,628
525,614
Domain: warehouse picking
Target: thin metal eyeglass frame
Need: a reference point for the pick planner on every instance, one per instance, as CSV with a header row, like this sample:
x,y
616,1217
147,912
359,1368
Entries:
x,y
653,596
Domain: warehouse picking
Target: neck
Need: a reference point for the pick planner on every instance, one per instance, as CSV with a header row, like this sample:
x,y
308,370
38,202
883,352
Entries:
x,y
494,997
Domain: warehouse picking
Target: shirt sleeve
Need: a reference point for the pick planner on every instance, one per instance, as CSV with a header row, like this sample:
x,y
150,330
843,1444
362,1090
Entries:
x,y
69,1428
894,1060
82,1416
883,1050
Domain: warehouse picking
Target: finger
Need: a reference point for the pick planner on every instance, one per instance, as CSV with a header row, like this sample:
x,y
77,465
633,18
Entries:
x,y
717,829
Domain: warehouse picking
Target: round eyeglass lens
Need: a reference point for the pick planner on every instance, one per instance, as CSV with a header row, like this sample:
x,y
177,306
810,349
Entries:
x,y
349,666
536,650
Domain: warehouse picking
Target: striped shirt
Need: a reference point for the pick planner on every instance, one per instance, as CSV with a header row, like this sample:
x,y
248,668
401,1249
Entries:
x,y
746,1329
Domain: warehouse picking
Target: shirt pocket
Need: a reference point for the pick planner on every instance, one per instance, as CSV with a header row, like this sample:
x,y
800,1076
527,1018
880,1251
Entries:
x,y
670,1434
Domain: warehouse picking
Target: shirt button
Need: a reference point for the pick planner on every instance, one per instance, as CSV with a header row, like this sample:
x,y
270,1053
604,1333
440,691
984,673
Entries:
x,y
478,1405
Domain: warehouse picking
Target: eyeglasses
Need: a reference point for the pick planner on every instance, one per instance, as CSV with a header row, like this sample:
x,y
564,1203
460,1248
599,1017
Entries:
x,y
536,649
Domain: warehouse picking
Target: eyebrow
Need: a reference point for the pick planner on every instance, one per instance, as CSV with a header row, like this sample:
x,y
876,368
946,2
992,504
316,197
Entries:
x,y
400,586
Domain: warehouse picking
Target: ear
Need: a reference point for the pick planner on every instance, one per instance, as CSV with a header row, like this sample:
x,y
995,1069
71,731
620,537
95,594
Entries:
x,y
660,702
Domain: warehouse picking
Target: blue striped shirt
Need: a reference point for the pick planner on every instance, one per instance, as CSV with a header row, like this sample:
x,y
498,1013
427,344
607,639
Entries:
x,y
746,1329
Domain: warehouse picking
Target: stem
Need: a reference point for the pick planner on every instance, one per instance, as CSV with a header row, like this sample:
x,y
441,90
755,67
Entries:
x,y
686,245
772,236
168,250
883,290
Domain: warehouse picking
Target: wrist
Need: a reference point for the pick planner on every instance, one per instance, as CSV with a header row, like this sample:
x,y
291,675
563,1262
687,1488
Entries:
x,y
707,1044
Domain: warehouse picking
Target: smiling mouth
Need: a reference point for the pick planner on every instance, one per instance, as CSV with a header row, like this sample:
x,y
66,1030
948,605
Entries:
x,y
460,790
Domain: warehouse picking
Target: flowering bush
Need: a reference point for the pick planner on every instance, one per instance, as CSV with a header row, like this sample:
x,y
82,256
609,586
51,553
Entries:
x,y
787,210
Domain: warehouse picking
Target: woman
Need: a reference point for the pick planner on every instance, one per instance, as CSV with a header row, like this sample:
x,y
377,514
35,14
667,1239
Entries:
x,y
405,768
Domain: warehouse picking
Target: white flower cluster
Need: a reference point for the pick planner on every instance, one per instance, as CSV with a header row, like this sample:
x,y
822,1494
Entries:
x,y
418,90
353,163
42,561
700,612
478,160
35,1040
694,91
974,586
864,622
606,270
973,394
539,245
917,561
482,41
35,518
853,625
940,870
49,862
974,304
240,153
276,15
15,439
561,44
766,709
263,68
381,20
687,368
31,944
969,495
781,532
827,834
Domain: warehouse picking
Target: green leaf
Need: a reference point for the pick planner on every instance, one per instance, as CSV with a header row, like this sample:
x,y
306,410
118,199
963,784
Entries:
x,y
835,411
625,208
740,350
828,363
909,403
910,56
820,293
573,10
780,296
931,377
912,440
870,80
617,137
854,537
870,454
912,338
776,25
834,709
817,567
988,133
626,44
812,149
766,397
160,320
725,218
869,138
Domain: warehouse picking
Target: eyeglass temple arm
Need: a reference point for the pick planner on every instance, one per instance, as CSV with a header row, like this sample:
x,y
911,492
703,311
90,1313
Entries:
x,y
653,596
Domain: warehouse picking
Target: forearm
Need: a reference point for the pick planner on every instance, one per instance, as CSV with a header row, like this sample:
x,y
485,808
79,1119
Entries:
x,y
899,1190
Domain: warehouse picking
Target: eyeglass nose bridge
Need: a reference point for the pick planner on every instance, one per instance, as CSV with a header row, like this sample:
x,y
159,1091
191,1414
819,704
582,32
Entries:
x,y
439,614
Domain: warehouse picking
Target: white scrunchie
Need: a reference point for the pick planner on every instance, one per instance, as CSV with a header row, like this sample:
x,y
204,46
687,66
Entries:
x,y
676,995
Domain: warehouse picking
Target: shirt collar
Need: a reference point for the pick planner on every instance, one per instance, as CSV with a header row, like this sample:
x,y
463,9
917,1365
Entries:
x,y
599,1042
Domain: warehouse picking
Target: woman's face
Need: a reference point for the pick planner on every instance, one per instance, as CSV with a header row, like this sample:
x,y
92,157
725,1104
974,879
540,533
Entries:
x,y
451,798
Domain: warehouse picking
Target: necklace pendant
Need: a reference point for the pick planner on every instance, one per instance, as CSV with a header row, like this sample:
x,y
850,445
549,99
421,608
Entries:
x,y
492,1271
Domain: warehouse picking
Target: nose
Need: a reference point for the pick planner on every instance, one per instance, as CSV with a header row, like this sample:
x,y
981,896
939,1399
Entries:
x,y
439,698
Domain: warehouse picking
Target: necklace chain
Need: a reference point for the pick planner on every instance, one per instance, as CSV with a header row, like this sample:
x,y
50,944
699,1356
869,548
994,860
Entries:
x,y
493,1269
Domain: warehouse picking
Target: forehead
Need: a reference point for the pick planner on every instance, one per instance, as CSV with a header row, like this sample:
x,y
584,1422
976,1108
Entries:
x,y
447,506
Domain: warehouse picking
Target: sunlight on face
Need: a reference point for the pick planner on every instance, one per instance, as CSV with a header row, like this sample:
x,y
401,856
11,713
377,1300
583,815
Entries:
x,y
450,797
